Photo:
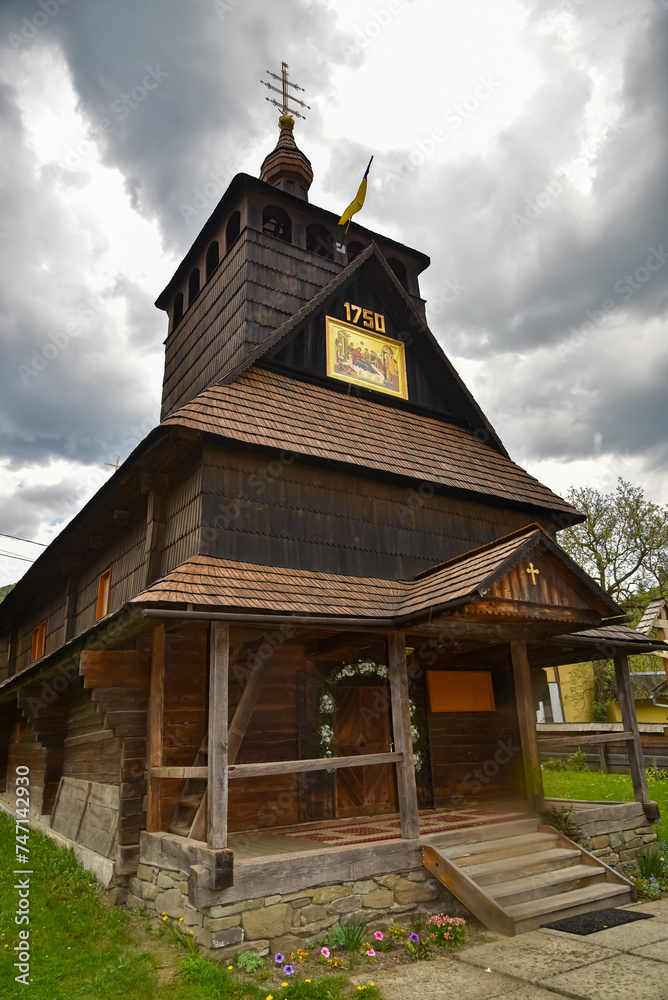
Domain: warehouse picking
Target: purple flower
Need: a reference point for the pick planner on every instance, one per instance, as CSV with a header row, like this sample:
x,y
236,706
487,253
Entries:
x,y
288,970
278,958
415,938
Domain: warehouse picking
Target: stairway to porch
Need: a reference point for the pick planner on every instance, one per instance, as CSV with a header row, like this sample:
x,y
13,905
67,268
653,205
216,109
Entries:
x,y
518,875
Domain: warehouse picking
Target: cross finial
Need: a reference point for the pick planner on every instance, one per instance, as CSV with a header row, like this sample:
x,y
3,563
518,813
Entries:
x,y
533,573
284,106
115,464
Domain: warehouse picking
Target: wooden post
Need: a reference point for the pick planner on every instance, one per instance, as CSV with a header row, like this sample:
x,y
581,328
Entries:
x,y
401,731
219,658
630,723
156,708
526,716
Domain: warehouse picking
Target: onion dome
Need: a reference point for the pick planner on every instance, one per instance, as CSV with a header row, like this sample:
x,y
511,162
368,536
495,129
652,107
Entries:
x,y
286,167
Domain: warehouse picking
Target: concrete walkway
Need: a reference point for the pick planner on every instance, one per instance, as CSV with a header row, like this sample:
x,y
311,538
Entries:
x,y
629,962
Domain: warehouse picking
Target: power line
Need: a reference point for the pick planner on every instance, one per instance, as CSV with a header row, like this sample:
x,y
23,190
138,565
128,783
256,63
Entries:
x,y
10,555
16,537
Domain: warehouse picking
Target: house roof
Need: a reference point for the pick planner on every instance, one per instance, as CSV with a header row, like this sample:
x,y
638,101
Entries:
x,y
268,408
646,686
650,615
225,583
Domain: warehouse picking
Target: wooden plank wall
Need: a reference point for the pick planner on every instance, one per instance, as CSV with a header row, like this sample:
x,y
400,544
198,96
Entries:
x,y
463,743
256,803
25,750
185,705
126,558
184,516
251,293
91,752
311,517
50,606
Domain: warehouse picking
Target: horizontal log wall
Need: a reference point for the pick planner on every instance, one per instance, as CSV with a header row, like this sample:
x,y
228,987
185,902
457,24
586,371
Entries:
x,y
27,752
91,752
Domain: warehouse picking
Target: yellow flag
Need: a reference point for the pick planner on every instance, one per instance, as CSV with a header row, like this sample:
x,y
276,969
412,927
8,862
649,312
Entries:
x,y
358,201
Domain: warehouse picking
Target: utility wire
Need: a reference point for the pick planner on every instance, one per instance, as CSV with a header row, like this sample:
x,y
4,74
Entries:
x,y
10,555
16,537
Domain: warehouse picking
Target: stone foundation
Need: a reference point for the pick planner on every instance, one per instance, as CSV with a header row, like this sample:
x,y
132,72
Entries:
x,y
285,922
612,831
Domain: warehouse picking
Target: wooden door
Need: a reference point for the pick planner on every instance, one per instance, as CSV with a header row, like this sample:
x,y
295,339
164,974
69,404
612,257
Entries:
x,y
362,726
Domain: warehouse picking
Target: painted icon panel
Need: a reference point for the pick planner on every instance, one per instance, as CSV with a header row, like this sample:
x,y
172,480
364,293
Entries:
x,y
366,358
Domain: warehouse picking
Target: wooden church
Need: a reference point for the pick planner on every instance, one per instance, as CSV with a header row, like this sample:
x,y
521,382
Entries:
x,y
296,640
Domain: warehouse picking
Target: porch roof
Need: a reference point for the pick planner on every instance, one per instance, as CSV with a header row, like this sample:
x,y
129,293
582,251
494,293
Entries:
x,y
210,582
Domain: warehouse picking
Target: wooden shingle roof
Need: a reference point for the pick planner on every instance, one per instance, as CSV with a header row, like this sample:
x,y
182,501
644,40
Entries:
x,y
225,583
266,408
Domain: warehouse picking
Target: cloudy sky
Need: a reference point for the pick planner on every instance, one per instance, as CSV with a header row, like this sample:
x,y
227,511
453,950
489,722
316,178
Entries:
x,y
522,144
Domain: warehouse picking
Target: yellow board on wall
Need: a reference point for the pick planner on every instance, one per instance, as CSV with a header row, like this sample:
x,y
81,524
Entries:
x,y
365,358
460,691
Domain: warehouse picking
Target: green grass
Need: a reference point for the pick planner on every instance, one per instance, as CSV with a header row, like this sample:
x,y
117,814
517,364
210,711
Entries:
x,y
596,785
82,948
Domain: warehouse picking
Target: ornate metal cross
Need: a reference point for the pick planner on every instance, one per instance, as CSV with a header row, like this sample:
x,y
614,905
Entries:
x,y
285,83
533,573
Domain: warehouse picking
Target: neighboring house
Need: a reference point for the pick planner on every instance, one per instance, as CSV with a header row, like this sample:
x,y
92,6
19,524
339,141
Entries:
x,y
322,489
571,686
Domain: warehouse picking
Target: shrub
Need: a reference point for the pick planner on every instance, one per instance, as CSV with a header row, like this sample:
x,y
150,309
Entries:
x,y
655,773
599,712
578,761
560,819
447,932
249,961
554,764
650,864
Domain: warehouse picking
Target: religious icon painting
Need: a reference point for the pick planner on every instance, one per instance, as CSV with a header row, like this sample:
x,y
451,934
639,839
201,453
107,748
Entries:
x,y
365,358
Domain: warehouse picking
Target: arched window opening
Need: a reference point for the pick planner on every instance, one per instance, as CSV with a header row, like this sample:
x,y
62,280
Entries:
x,y
212,258
178,308
400,270
320,241
354,250
276,222
193,285
232,229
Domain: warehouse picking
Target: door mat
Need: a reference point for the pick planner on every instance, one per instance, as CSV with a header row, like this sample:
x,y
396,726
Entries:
x,y
597,920
342,833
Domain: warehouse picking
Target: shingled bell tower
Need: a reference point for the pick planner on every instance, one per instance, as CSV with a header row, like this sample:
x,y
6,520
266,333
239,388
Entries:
x,y
260,257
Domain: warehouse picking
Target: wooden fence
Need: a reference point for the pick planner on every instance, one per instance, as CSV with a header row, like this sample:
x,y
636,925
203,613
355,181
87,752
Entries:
x,y
604,744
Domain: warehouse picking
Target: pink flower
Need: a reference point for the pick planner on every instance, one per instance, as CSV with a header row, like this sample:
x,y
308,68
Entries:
x,y
378,935
324,952
371,953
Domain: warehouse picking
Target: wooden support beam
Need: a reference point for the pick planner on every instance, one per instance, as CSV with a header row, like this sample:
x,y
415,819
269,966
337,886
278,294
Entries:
x,y
219,656
156,709
526,717
630,722
274,767
401,731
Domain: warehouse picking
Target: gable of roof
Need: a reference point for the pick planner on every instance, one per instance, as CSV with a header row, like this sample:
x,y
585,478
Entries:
x,y
652,612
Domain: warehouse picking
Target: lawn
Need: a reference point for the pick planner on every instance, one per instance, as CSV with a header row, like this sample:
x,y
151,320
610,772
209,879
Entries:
x,y
596,785
82,947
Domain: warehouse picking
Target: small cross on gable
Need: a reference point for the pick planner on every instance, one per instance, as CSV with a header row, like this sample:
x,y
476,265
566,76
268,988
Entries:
x,y
533,573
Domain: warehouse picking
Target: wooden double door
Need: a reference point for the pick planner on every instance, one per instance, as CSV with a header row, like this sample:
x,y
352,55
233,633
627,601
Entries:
x,y
362,726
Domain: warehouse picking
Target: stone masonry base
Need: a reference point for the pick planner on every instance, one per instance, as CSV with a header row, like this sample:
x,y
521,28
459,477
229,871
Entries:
x,y
286,922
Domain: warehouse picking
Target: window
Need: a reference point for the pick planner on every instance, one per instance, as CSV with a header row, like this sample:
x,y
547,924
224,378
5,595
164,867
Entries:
x,y
193,285
232,229
320,241
354,250
400,271
38,641
212,258
178,308
103,591
276,222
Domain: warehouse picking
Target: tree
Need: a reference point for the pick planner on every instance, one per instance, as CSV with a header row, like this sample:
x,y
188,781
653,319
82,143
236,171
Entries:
x,y
623,544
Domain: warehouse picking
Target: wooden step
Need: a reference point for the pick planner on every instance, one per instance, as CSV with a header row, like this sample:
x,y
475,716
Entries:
x,y
465,855
191,801
532,914
180,829
508,869
550,883
480,834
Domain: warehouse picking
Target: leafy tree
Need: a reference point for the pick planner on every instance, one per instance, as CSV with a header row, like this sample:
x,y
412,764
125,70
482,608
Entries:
x,y
5,590
623,544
